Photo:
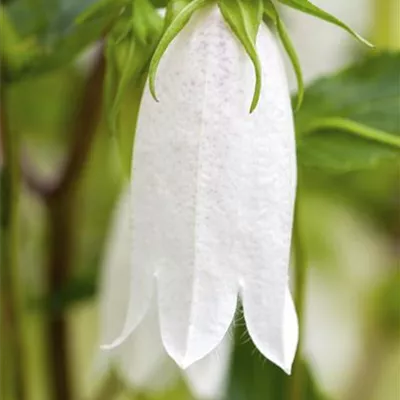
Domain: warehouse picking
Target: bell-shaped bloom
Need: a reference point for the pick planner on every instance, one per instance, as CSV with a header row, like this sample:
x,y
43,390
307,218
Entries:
x,y
141,360
212,196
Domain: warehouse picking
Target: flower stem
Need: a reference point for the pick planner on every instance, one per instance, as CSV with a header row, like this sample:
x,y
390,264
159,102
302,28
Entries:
x,y
11,300
386,33
297,380
60,203
110,388
59,198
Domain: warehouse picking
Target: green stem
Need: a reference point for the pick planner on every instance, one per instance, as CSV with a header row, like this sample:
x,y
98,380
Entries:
x,y
367,374
110,388
354,128
60,199
297,380
386,33
11,300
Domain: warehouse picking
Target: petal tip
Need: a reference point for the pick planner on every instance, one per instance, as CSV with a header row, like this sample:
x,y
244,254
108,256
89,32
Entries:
x,y
287,368
183,361
112,345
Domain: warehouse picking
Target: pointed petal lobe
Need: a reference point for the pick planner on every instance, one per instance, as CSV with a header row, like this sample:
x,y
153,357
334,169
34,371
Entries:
x,y
268,208
114,284
207,378
143,361
181,187
135,273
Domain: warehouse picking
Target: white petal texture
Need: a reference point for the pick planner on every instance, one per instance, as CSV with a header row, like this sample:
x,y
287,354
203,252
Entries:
x,y
212,195
142,360
208,377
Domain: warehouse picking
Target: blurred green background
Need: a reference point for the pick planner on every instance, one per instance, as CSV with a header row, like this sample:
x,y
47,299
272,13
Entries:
x,y
62,173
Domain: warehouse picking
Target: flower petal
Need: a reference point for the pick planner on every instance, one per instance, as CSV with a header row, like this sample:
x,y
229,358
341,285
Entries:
x,y
143,361
269,208
130,285
213,190
179,192
114,284
291,331
207,378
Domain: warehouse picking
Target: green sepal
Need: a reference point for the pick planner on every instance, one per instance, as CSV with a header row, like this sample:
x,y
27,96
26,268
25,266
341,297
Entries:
x,y
174,7
176,25
15,52
129,47
100,8
117,79
160,3
307,7
272,13
244,18
146,21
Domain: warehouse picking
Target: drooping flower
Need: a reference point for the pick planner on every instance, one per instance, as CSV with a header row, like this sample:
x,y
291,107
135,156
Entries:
x,y
141,360
212,195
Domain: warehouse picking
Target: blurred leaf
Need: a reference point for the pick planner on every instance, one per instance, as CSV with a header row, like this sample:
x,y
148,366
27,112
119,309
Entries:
x,y
40,35
374,192
387,304
78,289
350,121
253,377
100,8
339,152
160,3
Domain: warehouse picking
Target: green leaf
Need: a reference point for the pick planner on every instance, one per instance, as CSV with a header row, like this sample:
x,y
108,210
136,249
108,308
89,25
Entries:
x,y
387,304
160,3
100,8
15,52
43,35
309,8
349,121
272,13
77,290
176,25
355,128
244,18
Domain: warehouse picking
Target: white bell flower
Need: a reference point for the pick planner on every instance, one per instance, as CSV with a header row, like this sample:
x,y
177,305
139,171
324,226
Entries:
x,y
142,360
212,196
